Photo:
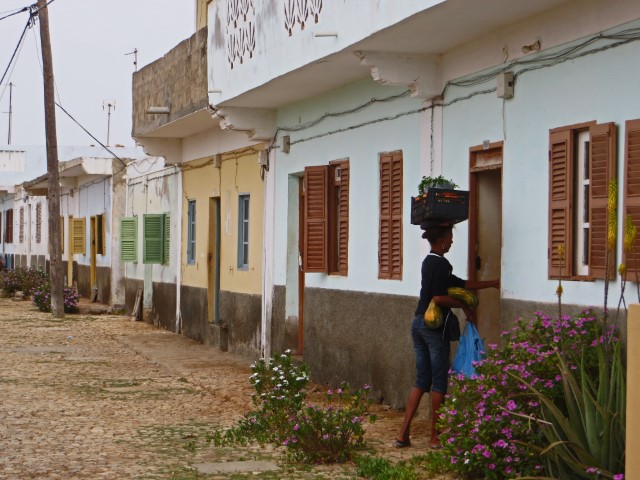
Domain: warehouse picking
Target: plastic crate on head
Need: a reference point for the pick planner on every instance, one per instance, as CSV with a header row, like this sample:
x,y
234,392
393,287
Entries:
x,y
440,203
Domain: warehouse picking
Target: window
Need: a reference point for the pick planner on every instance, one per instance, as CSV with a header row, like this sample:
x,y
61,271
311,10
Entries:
x,y
582,160
101,234
78,239
632,189
129,239
38,222
155,248
21,232
191,232
8,226
243,231
390,228
326,211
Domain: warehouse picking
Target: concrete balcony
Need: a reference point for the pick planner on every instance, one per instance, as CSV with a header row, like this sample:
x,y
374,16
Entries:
x,y
170,97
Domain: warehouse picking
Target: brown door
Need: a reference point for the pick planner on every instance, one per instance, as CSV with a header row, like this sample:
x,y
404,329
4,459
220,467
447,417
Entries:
x,y
301,220
485,233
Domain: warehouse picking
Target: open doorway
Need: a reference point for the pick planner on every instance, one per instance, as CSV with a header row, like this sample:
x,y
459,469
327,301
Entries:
x,y
485,233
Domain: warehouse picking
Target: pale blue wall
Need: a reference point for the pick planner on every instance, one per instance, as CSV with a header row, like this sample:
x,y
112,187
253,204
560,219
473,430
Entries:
x,y
362,147
604,87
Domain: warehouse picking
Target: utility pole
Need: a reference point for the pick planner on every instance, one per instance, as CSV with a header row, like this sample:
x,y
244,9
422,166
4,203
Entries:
x,y
135,58
10,110
53,197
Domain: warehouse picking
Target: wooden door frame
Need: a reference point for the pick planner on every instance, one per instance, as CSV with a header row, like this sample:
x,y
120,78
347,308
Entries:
x,y
301,279
93,247
213,257
474,169
70,251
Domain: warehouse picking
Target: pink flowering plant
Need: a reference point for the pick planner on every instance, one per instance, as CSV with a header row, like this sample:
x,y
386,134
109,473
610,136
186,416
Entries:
x,y
489,421
25,280
42,298
325,433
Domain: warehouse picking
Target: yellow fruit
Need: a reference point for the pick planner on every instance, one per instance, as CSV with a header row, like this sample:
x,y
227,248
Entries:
x,y
466,296
433,316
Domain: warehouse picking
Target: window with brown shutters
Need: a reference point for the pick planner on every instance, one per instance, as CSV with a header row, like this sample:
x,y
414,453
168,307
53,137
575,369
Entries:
x,y
326,209
8,226
390,228
316,211
632,192
582,161
339,218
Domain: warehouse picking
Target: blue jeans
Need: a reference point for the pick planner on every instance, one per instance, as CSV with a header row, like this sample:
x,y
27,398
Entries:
x,y
432,357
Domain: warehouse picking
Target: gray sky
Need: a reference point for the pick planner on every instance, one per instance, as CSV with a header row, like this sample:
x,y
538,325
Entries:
x,y
89,41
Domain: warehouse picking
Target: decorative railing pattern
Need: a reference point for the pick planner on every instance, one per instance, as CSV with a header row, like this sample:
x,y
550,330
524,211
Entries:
x,y
241,30
299,11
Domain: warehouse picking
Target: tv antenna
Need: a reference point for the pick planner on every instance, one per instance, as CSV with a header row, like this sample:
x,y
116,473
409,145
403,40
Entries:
x,y
134,52
10,112
108,106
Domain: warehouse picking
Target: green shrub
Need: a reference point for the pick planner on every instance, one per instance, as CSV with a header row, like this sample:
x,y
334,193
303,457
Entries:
x,y
311,433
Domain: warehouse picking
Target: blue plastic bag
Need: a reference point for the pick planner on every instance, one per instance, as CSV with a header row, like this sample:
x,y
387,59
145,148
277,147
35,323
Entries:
x,y
471,349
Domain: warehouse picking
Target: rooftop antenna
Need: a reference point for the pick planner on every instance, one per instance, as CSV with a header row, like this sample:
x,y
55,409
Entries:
x,y
108,106
135,58
10,112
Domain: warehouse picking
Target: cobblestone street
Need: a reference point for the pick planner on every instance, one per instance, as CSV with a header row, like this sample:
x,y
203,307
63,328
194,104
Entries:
x,y
104,397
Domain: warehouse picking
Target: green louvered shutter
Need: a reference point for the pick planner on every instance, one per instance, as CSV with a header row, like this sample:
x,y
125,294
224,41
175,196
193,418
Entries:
x,y
129,239
167,238
153,237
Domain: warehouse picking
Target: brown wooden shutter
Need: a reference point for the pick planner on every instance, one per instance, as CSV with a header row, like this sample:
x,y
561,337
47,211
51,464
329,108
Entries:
x,y
602,170
390,231
316,215
343,221
632,190
9,226
560,202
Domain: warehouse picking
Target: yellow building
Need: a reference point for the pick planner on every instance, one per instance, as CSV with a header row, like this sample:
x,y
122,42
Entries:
x,y
221,255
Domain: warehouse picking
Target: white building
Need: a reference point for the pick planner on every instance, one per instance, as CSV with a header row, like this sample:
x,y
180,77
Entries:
x,y
373,96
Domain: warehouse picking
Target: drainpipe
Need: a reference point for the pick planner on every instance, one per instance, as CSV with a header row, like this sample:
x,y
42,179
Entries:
x,y
178,262
267,257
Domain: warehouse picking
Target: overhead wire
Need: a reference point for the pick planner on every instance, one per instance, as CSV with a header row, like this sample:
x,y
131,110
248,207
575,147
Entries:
x,y
15,51
124,164
13,67
542,61
16,12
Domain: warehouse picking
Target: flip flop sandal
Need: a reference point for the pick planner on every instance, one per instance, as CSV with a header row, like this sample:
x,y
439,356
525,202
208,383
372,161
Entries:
x,y
401,444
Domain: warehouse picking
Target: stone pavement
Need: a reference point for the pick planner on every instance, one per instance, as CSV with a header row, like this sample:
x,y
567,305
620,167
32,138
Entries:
x,y
102,397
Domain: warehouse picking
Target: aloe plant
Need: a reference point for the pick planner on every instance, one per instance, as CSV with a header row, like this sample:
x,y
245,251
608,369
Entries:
x,y
586,435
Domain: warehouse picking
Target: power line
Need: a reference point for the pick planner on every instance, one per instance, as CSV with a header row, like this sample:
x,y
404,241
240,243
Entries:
x,y
24,9
124,164
26,27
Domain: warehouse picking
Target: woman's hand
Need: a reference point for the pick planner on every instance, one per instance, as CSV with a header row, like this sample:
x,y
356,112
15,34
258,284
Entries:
x,y
470,313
